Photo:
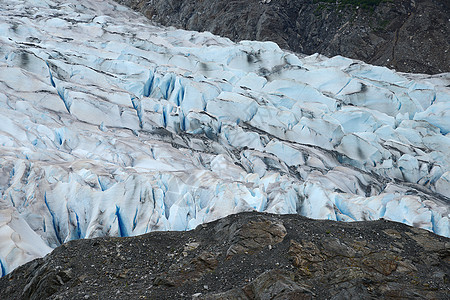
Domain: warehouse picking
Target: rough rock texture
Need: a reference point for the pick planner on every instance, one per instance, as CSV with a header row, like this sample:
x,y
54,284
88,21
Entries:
x,y
245,256
407,35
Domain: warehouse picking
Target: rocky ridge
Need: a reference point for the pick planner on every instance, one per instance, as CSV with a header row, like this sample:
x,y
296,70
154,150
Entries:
x,y
245,256
407,35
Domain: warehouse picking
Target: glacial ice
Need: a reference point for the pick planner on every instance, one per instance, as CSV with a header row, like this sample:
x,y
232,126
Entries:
x,y
112,126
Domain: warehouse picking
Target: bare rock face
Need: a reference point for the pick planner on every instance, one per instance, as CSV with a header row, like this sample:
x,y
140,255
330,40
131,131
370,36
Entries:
x,y
245,256
254,236
407,35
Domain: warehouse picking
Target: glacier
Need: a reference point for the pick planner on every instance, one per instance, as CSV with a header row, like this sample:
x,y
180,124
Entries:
x,y
113,126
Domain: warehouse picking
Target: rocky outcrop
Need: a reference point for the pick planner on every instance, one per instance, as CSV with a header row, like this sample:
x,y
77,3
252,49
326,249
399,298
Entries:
x,y
245,256
407,35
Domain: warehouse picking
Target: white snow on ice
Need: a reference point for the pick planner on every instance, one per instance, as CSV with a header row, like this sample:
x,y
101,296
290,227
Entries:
x,y
111,126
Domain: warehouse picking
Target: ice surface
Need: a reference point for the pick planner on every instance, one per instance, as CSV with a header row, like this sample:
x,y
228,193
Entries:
x,y
111,126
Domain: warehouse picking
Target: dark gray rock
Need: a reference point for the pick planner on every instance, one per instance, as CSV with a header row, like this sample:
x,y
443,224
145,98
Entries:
x,y
274,257
407,35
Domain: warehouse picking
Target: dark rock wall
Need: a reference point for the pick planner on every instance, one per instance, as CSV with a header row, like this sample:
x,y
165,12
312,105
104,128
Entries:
x,y
407,35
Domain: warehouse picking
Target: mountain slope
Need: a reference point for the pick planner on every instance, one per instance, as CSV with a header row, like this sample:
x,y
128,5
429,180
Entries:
x,y
407,35
245,256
